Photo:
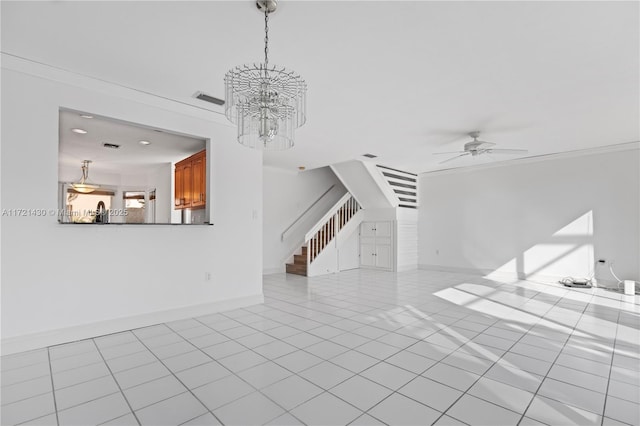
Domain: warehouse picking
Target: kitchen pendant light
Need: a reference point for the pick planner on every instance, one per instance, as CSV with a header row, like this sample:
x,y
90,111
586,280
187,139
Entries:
x,y
82,186
265,101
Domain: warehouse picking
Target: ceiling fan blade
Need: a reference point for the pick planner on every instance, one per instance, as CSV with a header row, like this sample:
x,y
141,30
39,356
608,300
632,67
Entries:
x,y
450,152
506,151
453,158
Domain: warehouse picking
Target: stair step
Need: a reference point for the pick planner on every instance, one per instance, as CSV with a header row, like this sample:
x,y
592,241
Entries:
x,y
304,250
300,259
297,269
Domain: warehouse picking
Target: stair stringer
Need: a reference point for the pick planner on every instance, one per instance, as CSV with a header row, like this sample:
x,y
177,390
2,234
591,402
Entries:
x,y
327,260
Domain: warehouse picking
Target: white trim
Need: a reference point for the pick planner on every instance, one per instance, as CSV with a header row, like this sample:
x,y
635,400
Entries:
x,y
271,271
49,72
627,146
405,268
43,339
510,276
492,273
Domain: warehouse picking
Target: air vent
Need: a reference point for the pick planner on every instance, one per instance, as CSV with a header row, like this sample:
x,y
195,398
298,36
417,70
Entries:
x,y
208,98
369,155
110,145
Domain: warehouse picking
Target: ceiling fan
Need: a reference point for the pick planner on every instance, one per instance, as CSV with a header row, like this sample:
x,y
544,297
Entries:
x,y
477,147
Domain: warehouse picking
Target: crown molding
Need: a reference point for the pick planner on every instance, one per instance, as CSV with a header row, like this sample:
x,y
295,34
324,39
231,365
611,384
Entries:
x,y
45,71
627,146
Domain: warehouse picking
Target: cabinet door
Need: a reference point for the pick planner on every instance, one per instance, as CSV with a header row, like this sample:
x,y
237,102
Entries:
x,y
179,187
383,229
367,255
199,177
383,256
187,185
368,229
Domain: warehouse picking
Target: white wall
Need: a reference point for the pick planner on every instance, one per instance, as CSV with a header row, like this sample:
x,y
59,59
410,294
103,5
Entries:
x,y
548,218
161,180
127,271
286,196
406,239
348,253
359,180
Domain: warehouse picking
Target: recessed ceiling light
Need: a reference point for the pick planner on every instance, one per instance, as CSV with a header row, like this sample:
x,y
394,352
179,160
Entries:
x,y
144,143
80,131
86,116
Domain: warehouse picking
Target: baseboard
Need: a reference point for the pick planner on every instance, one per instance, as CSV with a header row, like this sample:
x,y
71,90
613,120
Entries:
x,y
28,342
269,271
493,274
455,269
405,268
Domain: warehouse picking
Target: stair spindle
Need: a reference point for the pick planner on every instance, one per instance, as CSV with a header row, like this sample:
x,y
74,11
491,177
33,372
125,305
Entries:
x,y
327,232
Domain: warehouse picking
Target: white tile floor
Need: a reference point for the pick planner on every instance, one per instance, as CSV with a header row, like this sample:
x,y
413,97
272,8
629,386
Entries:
x,y
359,347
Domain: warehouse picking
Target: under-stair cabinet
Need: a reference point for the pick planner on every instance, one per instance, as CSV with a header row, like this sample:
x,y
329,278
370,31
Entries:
x,y
376,245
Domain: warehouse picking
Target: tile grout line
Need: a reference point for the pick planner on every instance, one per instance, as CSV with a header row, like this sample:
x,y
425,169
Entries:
x,y
293,374
613,355
256,389
178,379
53,389
325,314
540,317
215,360
117,384
573,330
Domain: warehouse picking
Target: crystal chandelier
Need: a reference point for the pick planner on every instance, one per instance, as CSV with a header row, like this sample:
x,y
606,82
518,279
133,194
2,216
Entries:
x,y
266,102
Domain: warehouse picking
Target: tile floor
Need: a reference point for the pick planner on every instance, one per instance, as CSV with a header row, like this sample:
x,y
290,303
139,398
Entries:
x,y
359,347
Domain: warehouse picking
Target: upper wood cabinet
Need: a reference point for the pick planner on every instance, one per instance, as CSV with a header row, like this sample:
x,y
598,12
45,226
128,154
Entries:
x,y
191,182
199,173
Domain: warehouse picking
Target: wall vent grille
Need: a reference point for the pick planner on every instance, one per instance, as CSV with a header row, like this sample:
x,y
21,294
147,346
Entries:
x,y
208,98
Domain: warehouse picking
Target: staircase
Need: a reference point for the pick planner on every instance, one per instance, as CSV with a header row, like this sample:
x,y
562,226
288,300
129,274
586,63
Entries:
x,y
299,265
325,234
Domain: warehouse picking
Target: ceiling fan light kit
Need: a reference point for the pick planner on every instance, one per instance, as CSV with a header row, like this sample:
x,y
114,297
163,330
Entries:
x,y
266,102
477,147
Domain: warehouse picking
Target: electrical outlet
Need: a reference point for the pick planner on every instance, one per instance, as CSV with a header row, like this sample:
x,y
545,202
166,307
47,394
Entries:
x,y
207,276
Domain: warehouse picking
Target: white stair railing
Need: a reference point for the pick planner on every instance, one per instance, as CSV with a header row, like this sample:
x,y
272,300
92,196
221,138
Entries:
x,y
328,227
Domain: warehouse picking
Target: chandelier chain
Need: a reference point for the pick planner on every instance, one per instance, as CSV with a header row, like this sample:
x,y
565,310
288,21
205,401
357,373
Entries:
x,y
266,37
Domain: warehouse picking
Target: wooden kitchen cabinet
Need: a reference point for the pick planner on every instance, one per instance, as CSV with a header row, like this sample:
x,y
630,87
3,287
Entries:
x,y
191,182
199,175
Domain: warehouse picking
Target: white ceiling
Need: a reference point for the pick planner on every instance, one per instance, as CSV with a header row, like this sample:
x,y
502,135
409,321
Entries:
x,y
398,79
131,157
